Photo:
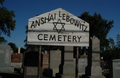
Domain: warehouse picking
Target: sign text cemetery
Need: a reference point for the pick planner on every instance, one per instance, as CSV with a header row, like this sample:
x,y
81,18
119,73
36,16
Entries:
x,y
58,27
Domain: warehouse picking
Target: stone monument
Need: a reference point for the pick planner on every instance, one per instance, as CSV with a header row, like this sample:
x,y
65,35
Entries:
x,y
31,64
55,60
69,63
5,59
96,70
82,63
16,60
114,68
45,60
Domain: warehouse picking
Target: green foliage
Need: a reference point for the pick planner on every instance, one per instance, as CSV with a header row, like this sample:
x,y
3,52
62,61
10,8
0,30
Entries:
x,y
13,46
7,23
111,54
111,44
2,40
118,40
1,2
113,50
99,27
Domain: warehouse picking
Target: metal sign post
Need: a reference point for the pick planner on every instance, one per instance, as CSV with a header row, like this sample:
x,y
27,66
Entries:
x,y
76,69
39,67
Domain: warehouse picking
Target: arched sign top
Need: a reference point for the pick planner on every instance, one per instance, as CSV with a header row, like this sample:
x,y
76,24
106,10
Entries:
x,y
58,19
58,27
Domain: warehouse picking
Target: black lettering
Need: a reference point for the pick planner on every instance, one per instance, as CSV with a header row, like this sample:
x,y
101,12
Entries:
x,y
64,37
63,16
67,18
59,14
72,20
51,18
37,22
59,37
79,38
39,37
69,38
74,39
77,23
85,28
52,38
82,27
46,20
32,25
42,20
45,36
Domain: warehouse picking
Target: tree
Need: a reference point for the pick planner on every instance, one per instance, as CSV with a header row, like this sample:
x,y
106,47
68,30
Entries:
x,y
7,23
113,52
111,43
118,40
2,40
1,2
13,46
25,41
99,27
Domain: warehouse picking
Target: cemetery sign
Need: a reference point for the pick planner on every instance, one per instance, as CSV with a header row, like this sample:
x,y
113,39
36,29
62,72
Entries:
x,y
58,27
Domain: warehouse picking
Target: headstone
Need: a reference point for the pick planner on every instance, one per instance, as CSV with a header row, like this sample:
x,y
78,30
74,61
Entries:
x,y
16,60
31,64
5,59
30,72
69,63
55,60
16,57
96,70
82,63
45,60
115,69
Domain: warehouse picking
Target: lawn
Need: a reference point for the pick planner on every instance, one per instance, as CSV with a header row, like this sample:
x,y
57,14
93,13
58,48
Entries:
x,y
11,75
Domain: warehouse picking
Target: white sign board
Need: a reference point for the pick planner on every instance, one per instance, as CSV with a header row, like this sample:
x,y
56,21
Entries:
x,y
58,27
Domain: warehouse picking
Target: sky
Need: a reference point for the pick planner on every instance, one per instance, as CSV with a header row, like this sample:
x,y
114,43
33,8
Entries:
x,y
25,9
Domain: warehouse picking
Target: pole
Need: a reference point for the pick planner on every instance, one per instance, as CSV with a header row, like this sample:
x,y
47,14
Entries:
x,y
39,67
76,74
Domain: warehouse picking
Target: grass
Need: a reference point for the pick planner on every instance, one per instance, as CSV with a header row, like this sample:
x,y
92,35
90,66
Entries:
x,y
11,75
17,74
48,77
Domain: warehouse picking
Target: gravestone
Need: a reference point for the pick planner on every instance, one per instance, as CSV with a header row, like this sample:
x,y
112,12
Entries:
x,y
45,60
16,60
82,63
31,64
55,60
69,63
115,69
16,57
96,70
5,59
